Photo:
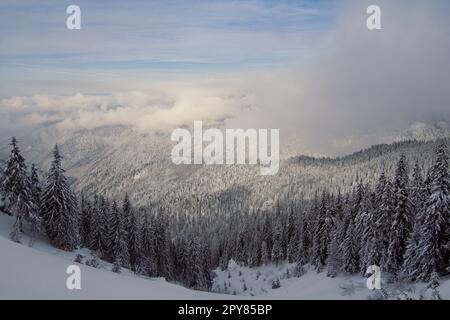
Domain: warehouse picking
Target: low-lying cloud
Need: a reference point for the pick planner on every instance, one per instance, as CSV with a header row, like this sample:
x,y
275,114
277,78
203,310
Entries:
x,y
154,110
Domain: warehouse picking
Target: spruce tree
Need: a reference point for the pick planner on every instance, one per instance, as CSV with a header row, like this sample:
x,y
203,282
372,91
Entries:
x,y
106,232
368,237
349,250
322,234
418,196
18,194
334,260
383,220
147,258
433,251
35,186
59,208
86,220
120,250
399,232
93,241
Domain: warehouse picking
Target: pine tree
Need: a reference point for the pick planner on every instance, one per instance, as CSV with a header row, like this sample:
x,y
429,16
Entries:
x,y
368,237
127,212
418,196
147,263
357,216
36,190
399,231
322,233
264,253
106,230
303,241
277,251
134,240
292,236
120,251
132,232
334,260
86,223
384,196
432,250
93,241
350,258
18,194
59,209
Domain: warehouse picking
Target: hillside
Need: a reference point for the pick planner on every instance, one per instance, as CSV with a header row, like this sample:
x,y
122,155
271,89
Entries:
x,y
115,160
39,272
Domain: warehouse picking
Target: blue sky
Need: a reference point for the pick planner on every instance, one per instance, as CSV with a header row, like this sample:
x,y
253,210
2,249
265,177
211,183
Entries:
x,y
153,39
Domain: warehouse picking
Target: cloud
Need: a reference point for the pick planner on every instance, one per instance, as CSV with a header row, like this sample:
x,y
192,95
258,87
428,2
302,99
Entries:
x,y
154,110
364,86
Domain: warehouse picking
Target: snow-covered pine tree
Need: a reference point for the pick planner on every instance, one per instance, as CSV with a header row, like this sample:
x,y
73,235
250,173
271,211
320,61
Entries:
x,y
322,233
106,232
264,253
134,240
334,260
36,193
292,236
127,211
433,251
277,249
18,194
342,226
385,206
197,273
303,240
359,213
120,251
349,254
368,237
35,187
418,192
418,196
146,260
93,241
86,216
160,250
59,208
399,232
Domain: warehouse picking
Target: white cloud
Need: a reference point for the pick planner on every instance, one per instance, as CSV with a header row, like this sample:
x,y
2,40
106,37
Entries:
x,y
154,110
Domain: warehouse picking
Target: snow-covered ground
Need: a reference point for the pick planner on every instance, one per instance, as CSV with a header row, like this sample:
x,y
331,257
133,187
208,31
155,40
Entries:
x,y
258,282
39,272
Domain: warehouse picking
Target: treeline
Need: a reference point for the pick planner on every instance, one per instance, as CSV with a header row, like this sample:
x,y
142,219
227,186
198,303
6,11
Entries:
x,y
401,225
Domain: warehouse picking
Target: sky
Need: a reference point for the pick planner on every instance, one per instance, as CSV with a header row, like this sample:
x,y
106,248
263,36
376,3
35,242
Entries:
x,y
310,68
147,41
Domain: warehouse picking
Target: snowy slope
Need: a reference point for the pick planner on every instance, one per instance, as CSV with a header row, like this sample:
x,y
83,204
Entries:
x,y
257,282
39,272
114,160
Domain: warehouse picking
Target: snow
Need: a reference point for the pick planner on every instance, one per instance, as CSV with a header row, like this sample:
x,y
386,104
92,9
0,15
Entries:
x,y
39,272
309,286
